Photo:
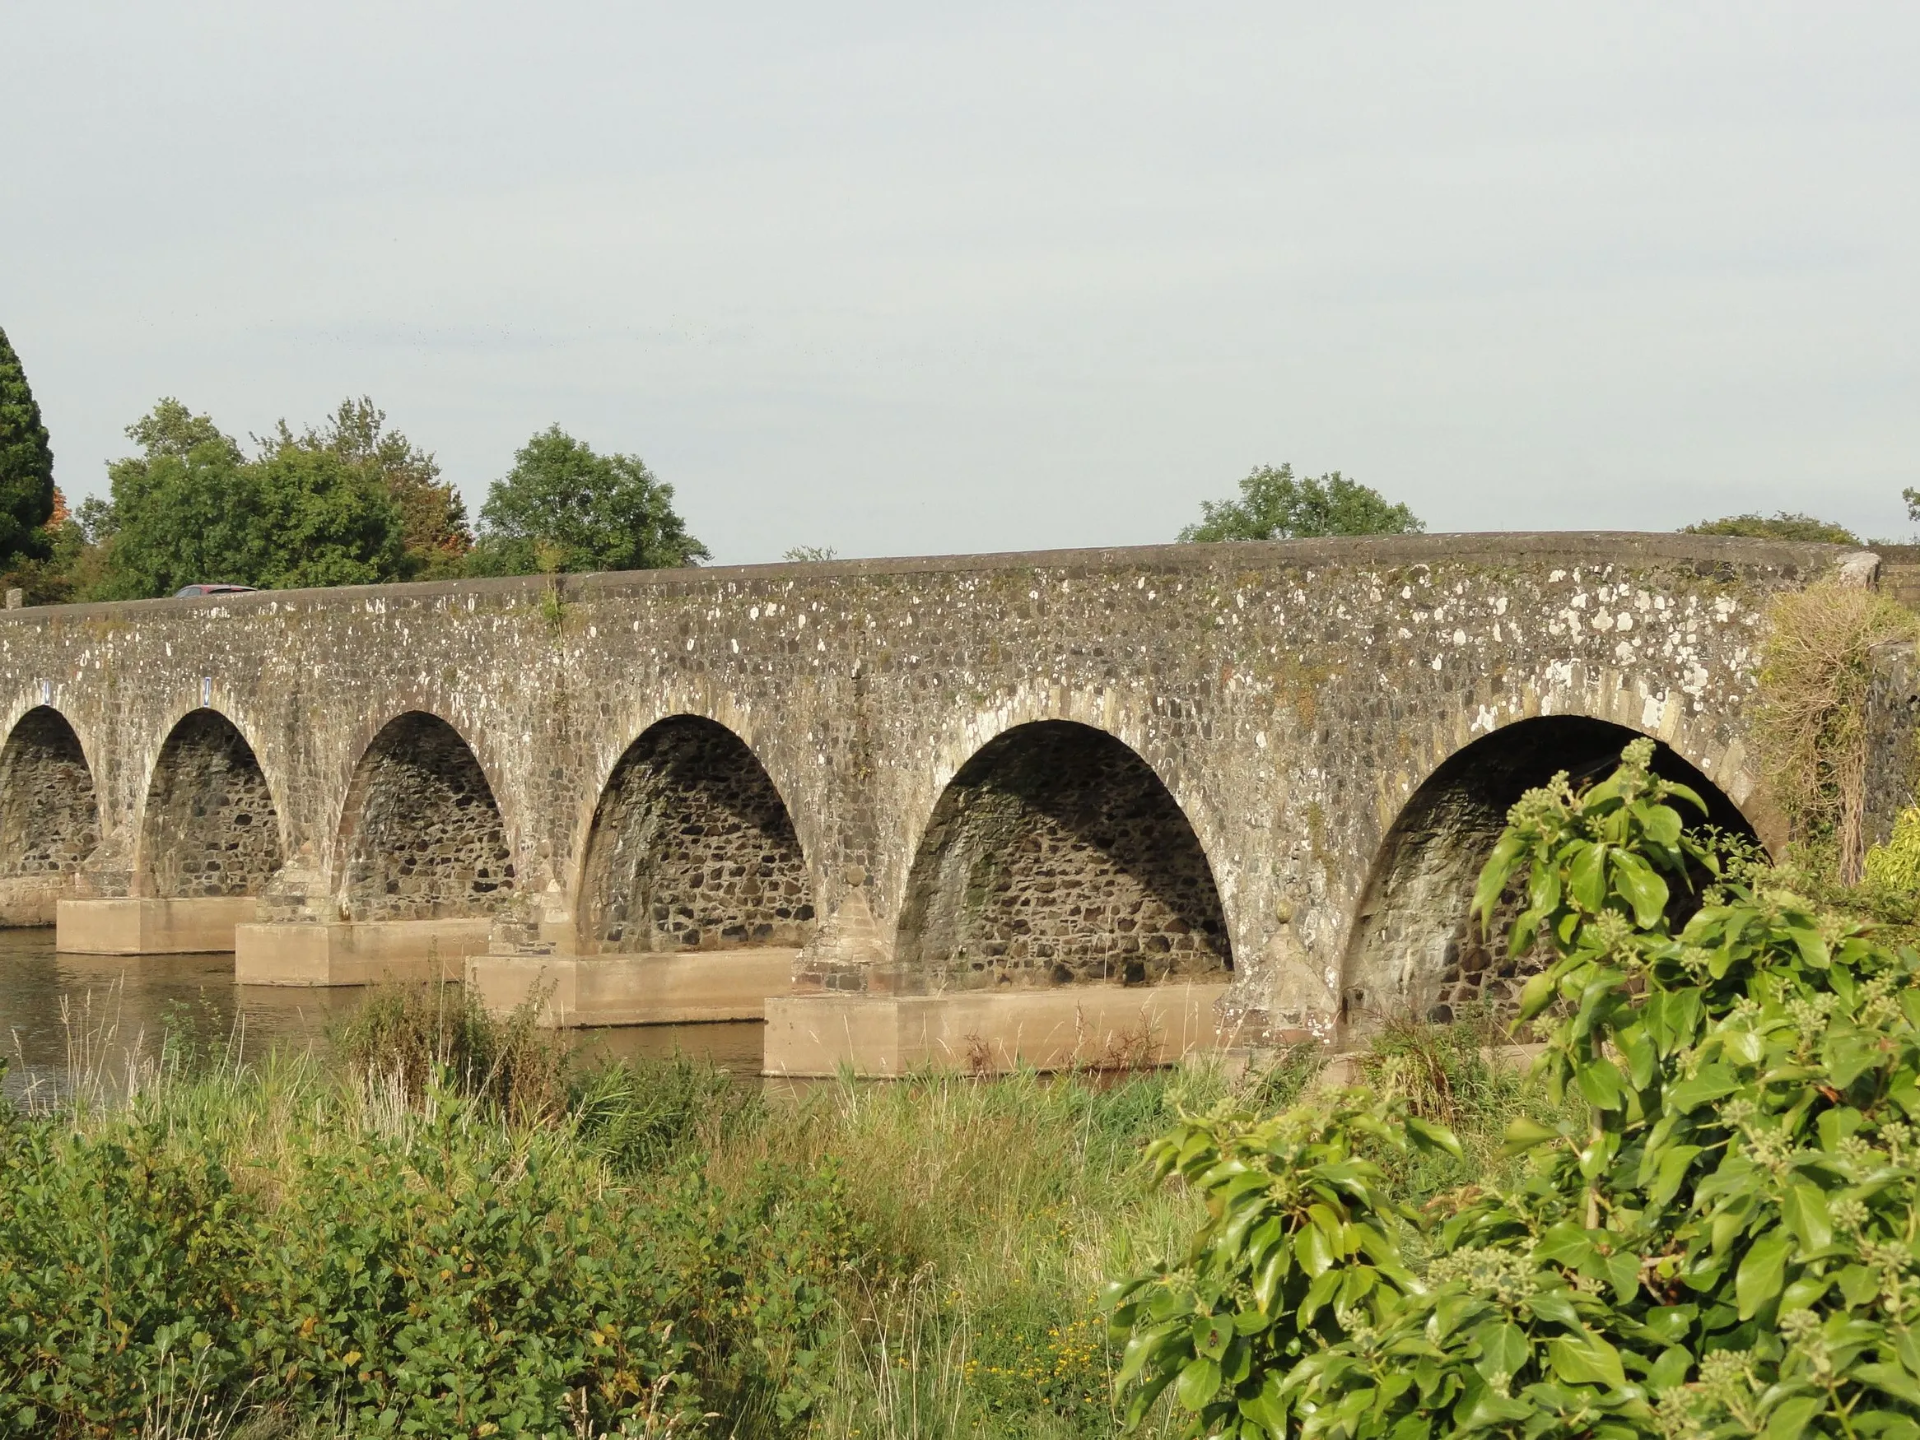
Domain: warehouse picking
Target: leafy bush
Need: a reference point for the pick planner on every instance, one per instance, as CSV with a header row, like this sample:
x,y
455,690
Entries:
x,y
425,1272
1726,1246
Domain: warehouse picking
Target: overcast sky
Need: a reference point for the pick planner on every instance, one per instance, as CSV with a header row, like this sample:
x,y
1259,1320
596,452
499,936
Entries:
x,y
904,279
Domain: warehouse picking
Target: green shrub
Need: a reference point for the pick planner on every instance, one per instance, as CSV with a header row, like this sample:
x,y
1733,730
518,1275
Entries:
x,y
426,1272
1726,1246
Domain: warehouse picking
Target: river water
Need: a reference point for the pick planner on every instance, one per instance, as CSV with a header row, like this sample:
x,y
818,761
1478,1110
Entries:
x,y
59,1012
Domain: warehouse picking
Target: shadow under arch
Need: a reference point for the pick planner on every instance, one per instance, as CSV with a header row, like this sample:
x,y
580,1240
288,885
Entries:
x,y
692,848
209,826
421,836
1056,856
49,814
1413,951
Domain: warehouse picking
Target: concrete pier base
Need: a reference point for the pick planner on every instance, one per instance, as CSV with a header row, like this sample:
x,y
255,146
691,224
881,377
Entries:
x,y
663,989
989,1031
144,926
356,952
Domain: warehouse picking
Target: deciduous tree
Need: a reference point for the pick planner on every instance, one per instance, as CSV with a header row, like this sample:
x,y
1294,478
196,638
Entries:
x,y
1273,505
192,508
565,507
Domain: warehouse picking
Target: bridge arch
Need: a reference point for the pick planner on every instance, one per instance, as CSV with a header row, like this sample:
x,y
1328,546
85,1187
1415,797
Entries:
x,y
1057,856
1412,949
421,835
209,825
691,847
49,809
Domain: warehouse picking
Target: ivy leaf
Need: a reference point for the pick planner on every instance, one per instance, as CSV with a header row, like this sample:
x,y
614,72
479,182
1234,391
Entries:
x,y
1804,1209
1536,995
1587,877
1599,1081
1585,1359
1891,1379
1524,1134
1199,1382
1429,1136
1762,1272
1791,1416
1640,887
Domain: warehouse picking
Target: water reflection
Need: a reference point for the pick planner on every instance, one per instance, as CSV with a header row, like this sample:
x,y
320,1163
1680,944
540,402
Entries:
x,y
126,1003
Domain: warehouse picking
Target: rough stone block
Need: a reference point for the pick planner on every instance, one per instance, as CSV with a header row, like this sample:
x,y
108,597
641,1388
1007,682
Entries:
x,y
657,989
989,1031
361,952
137,926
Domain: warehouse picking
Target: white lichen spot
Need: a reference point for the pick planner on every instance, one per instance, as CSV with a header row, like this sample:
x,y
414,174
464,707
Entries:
x,y
1602,621
1459,637
1556,577
1623,652
1436,662
1406,592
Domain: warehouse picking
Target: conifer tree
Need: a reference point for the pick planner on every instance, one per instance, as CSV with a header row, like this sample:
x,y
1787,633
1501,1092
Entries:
x,y
26,466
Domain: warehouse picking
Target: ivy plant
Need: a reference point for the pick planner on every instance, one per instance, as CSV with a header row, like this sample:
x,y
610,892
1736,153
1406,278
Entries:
x,y
1728,1246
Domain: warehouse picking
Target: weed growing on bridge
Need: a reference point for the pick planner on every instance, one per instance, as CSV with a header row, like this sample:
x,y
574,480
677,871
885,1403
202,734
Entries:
x,y
1810,727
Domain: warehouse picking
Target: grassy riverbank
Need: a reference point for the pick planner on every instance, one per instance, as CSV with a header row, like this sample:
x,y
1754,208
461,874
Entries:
x,y
436,1229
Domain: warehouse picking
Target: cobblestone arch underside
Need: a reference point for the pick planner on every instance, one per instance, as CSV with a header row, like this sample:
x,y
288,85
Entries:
x,y
692,849
1057,857
210,826
1413,952
423,836
49,819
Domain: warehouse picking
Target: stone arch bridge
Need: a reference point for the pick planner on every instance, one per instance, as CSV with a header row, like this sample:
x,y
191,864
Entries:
x,y
960,808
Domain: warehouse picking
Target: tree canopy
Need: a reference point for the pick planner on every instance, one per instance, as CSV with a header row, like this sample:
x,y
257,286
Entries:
x,y
191,507
563,507
434,529
1273,505
1779,526
26,465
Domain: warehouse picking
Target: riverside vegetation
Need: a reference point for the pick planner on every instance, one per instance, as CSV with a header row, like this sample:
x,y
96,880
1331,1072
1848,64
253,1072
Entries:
x,y
438,1228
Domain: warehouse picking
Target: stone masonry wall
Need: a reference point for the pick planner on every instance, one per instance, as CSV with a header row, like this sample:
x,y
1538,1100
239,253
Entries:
x,y
692,849
211,828
49,822
1057,858
1291,697
426,841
